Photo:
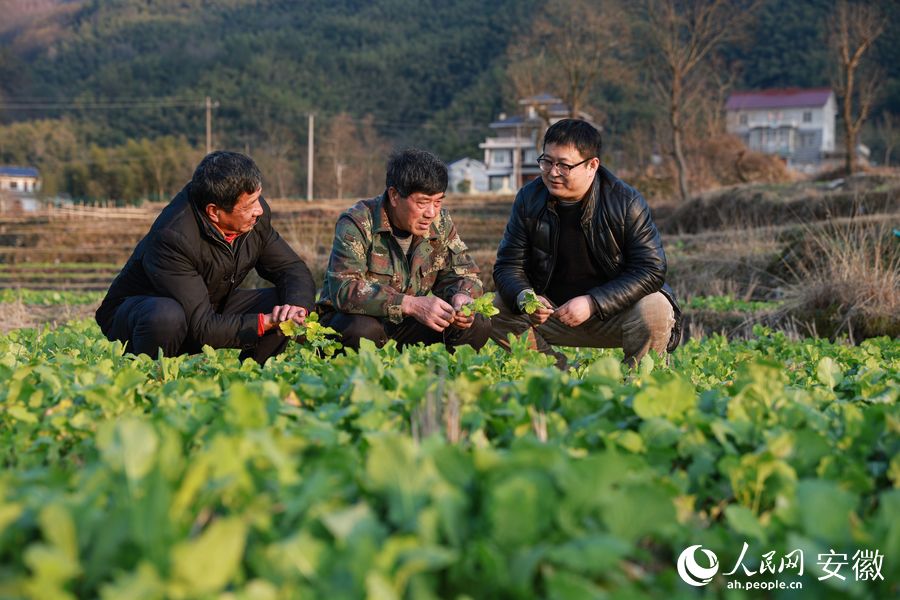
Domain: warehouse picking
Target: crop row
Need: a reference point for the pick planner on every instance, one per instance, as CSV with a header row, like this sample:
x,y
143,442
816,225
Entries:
x,y
423,474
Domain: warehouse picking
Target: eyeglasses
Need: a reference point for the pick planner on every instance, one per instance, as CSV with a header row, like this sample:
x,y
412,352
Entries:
x,y
546,165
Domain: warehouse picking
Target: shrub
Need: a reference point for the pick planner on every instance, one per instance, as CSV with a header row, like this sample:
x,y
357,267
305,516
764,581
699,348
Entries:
x,y
848,281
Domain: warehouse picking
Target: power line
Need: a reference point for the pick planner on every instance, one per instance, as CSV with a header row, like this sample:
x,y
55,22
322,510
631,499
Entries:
x,y
396,125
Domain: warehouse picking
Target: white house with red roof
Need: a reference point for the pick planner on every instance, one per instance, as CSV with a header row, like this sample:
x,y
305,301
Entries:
x,y
796,124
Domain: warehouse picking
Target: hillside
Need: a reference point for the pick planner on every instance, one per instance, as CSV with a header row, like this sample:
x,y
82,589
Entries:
x,y
415,66
107,99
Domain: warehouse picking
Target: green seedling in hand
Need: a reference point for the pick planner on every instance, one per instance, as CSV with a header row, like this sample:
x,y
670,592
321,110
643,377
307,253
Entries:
x,y
316,334
531,302
481,306
291,328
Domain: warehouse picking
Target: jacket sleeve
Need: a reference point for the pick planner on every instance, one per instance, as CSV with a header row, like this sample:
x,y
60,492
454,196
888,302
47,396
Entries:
x,y
174,275
644,269
509,269
278,263
460,274
348,287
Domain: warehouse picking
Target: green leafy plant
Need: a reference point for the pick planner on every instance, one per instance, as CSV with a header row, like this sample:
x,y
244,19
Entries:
x,y
425,474
315,334
531,302
480,306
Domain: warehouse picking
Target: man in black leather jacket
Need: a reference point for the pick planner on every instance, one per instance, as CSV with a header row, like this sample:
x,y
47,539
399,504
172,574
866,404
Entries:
x,y
179,290
584,242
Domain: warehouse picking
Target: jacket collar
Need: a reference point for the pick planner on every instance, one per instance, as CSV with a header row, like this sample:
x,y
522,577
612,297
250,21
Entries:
x,y
381,223
203,222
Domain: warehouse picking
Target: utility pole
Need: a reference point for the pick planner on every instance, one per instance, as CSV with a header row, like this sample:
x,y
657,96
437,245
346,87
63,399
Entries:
x,y
209,106
310,161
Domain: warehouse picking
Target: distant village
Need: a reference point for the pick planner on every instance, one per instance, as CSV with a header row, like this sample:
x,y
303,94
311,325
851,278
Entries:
x,y
798,125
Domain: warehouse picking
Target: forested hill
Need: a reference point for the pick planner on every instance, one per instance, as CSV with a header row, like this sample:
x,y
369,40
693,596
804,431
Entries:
x,y
412,64
93,76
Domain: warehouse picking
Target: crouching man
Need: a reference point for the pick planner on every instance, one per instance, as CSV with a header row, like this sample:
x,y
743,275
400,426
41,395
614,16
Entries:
x,y
582,255
179,290
398,269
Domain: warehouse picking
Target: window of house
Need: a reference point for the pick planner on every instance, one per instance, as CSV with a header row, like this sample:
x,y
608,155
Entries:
x,y
807,116
497,183
743,119
13,185
530,157
501,157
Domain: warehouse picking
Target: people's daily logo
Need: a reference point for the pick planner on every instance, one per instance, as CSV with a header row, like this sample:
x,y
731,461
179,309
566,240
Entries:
x,y
691,572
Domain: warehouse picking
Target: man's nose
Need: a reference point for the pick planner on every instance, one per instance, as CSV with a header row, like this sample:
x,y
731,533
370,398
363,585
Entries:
x,y
430,211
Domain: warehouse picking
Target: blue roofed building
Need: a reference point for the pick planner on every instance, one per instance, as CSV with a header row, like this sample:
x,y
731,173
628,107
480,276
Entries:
x,y
19,180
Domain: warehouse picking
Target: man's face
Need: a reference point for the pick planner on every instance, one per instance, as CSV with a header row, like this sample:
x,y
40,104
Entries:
x,y
415,212
574,185
242,218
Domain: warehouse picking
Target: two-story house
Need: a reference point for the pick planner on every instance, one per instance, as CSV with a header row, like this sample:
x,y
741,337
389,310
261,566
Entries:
x,y
511,155
20,180
796,124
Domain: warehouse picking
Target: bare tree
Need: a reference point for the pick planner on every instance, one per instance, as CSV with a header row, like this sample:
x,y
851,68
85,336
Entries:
x,y
571,44
889,134
851,32
277,156
683,36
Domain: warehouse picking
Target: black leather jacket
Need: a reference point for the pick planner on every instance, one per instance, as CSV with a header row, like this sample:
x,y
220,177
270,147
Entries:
x,y
621,235
185,258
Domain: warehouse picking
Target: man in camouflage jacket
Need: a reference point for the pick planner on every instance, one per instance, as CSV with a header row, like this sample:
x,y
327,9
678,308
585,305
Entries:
x,y
398,269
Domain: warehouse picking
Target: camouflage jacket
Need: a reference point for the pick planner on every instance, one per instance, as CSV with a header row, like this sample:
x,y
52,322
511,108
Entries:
x,y
369,274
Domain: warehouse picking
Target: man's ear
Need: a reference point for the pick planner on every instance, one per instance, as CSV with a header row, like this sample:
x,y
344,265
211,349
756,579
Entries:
x,y
212,211
393,196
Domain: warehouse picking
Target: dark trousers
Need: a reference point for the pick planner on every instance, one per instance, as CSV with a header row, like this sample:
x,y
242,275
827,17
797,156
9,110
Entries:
x,y
147,323
353,328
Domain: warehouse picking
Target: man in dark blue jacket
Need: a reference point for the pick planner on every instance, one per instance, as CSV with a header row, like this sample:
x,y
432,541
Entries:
x,y
179,290
583,242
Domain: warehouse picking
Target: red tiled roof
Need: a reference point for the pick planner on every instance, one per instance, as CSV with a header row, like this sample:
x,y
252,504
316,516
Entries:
x,y
786,98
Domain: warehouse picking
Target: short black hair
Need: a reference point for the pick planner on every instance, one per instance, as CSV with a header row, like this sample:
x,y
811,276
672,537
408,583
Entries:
x,y
578,133
221,178
413,170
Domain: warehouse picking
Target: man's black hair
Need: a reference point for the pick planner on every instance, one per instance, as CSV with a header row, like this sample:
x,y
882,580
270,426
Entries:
x,y
575,132
221,178
413,170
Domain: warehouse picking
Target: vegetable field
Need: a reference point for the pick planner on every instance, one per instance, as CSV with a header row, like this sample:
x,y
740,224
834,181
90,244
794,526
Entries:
x,y
426,475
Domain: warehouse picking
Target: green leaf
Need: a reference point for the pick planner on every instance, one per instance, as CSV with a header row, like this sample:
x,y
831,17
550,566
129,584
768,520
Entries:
x,y
668,395
520,509
828,372
638,510
290,328
22,414
562,585
246,407
592,555
343,523
129,444
483,305
825,510
531,302
208,563
742,520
